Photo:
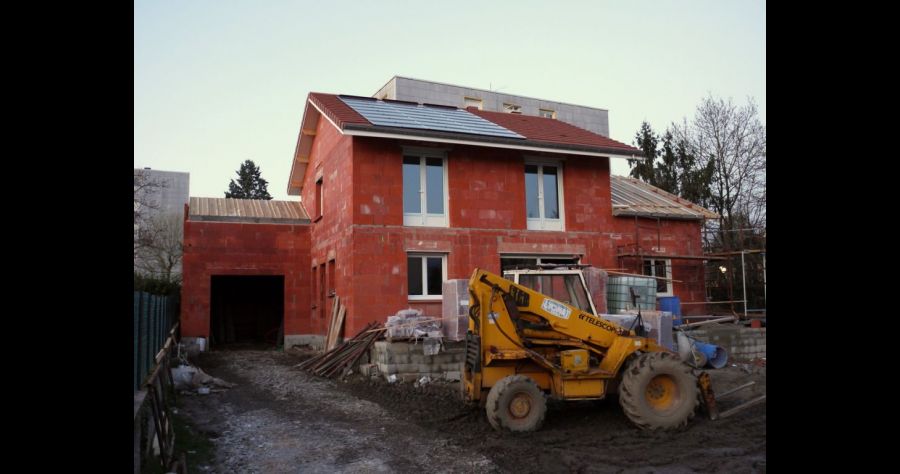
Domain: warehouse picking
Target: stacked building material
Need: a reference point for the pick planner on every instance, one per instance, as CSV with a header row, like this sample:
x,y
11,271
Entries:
x,y
344,357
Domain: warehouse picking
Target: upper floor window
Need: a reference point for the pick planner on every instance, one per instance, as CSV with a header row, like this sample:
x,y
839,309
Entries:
x,y
512,108
424,189
547,113
473,102
543,196
662,269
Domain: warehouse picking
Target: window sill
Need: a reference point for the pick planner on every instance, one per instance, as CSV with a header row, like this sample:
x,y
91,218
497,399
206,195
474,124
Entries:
x,y
425,299
317,219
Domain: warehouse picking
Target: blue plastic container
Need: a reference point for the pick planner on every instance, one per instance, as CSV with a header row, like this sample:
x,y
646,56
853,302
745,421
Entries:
x,y
716,357
671,304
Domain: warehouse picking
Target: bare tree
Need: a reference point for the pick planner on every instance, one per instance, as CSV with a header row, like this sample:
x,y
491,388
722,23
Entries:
x,y
146,205
734,140
161,257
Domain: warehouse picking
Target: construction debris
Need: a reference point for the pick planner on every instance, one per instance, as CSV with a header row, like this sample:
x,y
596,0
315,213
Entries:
x,y
344,357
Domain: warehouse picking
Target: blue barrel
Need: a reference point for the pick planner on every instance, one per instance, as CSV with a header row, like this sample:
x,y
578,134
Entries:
x,y
716,356
671,304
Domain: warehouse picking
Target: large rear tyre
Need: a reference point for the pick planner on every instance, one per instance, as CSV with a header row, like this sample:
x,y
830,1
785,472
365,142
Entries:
x,y
659,392
516,404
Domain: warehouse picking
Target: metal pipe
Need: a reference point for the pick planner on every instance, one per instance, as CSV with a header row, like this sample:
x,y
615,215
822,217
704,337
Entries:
x,y
764,279
744,281
702,323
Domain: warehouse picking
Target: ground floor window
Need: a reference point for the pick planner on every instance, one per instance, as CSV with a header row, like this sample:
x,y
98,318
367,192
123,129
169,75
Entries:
x,y
660,268
511,262
425,275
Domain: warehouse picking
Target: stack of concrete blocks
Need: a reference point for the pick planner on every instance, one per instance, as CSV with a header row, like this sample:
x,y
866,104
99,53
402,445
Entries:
x,y
740,342
408,361
455,312
596,280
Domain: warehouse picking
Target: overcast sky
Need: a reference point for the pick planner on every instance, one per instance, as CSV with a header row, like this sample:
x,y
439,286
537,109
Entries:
x,y
219,82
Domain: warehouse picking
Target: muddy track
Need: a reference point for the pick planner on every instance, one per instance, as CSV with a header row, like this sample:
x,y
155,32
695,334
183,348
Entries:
x,y
282,420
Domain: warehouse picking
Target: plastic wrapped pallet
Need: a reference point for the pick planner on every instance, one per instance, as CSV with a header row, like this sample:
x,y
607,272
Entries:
x,y
404,324
455,310
596,281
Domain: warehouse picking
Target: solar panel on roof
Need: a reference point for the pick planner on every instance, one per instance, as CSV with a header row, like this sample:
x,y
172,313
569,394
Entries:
x,y
424,117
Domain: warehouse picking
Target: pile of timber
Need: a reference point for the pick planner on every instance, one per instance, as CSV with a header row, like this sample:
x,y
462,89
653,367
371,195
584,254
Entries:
x,y
338,360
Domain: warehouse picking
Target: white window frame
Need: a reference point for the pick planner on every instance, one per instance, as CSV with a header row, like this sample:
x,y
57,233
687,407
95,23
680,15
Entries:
x,y
512,108
467,99
423,258
669,290
552,113
542,223
424,218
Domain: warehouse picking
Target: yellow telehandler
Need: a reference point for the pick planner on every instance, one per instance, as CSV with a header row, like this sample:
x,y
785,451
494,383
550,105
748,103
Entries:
x,y
522,344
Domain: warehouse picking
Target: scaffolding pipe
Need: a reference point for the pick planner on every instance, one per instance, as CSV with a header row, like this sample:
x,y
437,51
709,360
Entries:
x,y
764,280
744,281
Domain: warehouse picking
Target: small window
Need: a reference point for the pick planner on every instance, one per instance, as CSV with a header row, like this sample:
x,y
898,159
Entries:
x,y
547,113
662,269
425,275
512,108
472,102
543,197
320,196
424,191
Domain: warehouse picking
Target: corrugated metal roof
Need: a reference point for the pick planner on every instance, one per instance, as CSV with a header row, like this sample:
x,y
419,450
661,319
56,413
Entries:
x,y
247,210
631,197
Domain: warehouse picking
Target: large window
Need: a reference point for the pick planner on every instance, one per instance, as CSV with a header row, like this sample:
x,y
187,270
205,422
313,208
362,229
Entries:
x,y
424,190
425,275
513,262
543,196
662,269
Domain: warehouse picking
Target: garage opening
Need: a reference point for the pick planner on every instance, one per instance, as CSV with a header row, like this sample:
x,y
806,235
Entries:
x,y
247,310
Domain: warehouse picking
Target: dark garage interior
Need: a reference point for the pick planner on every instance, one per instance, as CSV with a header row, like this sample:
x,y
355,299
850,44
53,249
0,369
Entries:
x,y
246,310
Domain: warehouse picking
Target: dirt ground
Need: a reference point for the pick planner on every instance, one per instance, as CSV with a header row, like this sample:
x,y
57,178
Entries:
x,y
279,419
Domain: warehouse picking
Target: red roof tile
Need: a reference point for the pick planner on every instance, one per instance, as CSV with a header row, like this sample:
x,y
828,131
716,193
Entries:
x,y
339,112
551,130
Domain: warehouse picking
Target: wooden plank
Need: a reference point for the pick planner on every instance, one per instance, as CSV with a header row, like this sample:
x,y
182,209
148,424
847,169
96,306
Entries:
x,y
337,328
334,309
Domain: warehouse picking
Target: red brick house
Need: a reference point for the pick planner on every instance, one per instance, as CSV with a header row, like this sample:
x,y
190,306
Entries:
x,y
402,196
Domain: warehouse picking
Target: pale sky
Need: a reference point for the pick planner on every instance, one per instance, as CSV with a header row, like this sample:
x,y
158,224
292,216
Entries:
x,y
219,82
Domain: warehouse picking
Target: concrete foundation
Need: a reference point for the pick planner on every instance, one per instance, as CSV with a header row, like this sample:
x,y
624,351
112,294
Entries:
x,y
742,343
408,361
312,340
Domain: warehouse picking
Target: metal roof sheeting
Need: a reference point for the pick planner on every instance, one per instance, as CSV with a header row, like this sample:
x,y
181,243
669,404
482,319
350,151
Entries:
x,y
631,197
247,210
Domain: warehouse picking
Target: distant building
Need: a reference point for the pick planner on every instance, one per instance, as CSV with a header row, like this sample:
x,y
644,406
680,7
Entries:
x,y
168,191
429,92
159,193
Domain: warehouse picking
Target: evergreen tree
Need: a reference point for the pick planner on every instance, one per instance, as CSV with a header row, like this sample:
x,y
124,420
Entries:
x,y
249,185
647,141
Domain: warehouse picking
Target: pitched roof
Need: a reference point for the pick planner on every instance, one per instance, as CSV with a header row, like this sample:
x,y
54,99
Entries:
x,y
551,130
523,132
631,197
258,211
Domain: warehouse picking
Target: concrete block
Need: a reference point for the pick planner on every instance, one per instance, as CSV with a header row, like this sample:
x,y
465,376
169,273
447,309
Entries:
x,y
452,376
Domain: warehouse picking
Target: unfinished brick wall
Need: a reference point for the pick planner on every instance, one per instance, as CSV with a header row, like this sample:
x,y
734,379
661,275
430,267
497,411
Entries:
x,y
221,248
